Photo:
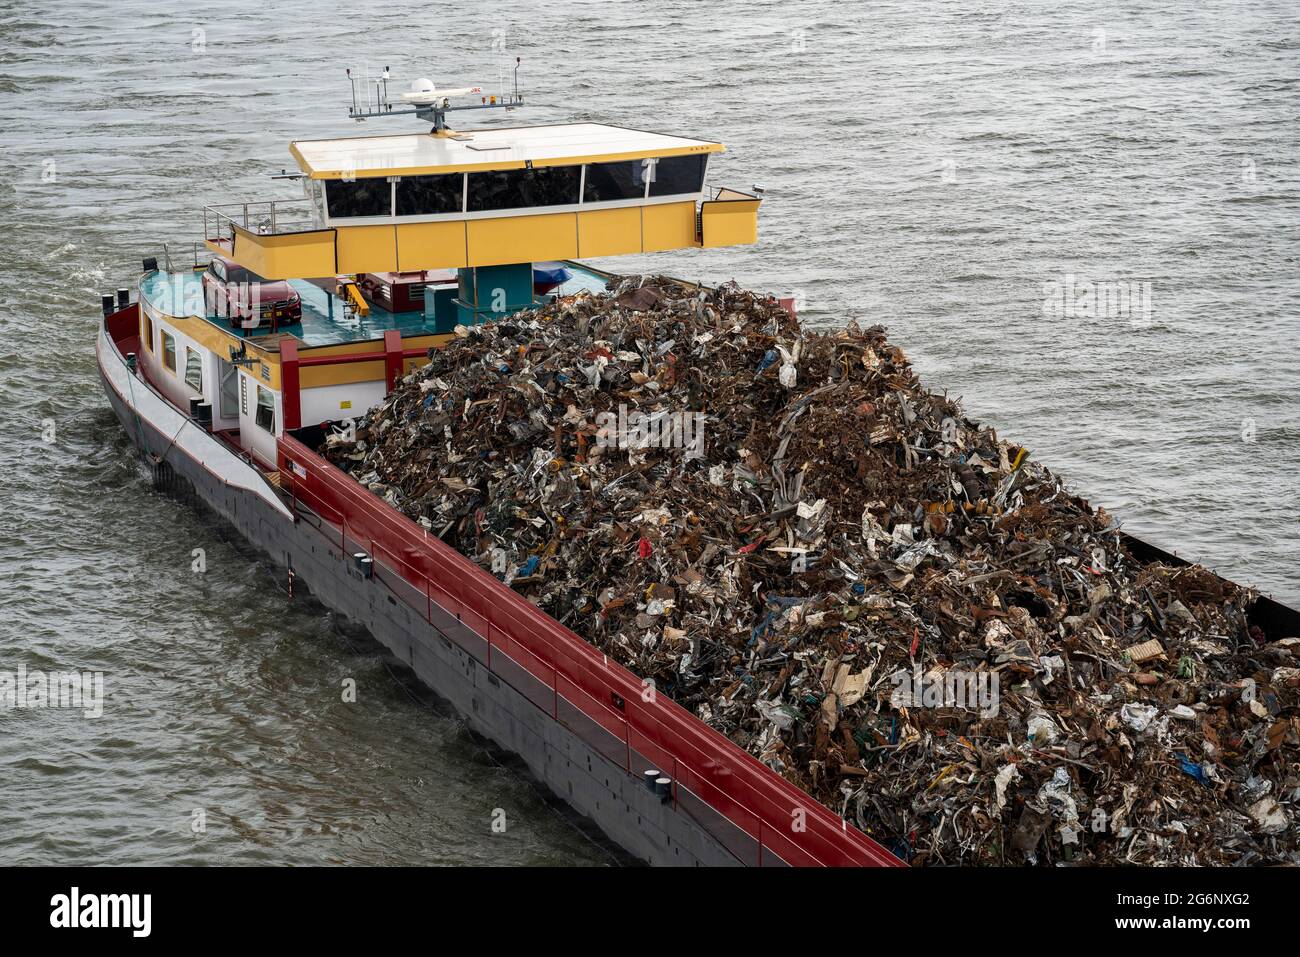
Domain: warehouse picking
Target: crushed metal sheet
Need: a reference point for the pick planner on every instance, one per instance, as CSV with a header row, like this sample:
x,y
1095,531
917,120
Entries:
x,y
888,604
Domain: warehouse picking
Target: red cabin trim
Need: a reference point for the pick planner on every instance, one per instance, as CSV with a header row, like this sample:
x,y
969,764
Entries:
x,y
291,394
394,359
292,363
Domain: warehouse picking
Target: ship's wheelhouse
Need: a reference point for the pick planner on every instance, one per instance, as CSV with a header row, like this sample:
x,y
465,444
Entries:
x,y
302,313
485,198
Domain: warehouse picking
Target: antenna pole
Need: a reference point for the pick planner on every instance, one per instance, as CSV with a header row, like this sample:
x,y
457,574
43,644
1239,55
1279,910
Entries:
x,y
433,110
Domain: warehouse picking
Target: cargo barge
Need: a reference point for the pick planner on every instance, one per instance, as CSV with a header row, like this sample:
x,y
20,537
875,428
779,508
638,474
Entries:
x,y
294,317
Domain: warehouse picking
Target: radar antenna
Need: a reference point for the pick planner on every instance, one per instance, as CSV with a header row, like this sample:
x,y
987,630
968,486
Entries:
x,y
371,98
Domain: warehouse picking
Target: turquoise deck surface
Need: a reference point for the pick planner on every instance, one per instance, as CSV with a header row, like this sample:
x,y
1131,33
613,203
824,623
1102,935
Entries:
x,y
324,320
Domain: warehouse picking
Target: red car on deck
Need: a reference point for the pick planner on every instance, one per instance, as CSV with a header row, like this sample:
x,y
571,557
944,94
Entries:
x,y
246,299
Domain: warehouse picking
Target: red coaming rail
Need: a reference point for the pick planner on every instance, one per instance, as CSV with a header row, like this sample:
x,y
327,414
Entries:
x,y
783,819
394,358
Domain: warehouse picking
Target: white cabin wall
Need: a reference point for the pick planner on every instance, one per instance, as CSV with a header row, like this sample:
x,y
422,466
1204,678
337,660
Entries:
x,y
331,402
172,384
251,435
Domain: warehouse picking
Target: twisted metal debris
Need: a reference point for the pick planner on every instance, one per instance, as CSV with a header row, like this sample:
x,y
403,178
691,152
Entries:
x,y
893,608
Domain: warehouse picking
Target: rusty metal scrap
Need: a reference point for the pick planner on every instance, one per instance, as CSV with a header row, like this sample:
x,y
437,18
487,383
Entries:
x,y
828,534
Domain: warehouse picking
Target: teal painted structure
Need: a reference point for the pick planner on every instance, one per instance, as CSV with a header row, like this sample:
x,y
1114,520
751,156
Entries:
x,y
492,292
326,321
440,306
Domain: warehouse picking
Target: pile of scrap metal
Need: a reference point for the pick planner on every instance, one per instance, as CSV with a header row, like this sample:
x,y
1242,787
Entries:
x,y
876,596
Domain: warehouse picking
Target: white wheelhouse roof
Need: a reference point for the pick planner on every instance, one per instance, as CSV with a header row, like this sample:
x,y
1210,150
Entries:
x,y
413,154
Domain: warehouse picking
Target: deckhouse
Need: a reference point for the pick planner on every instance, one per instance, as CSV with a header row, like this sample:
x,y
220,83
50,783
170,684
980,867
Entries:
x,y
301,312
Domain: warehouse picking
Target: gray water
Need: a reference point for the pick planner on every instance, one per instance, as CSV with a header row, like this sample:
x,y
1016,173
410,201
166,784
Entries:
x,y
932,166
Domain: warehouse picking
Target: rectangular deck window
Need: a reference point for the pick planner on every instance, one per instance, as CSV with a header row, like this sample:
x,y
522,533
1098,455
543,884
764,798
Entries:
x,y
265,409
148,331
168,351
314,191
427,195
524,188
674,175
610,181
194,369
372,196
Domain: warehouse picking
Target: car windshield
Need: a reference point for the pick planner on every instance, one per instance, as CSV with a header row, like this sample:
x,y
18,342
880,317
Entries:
x,y
233,272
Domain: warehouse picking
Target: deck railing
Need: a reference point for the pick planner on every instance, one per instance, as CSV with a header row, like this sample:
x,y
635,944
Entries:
x,y
182,257
763,819
264,217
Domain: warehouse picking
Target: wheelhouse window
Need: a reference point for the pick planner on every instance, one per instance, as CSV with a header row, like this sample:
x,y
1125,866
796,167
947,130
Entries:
x,y
372,196
674,175
524,188
169,350
194,369
610,181
426,195
265,416
314,191
148,331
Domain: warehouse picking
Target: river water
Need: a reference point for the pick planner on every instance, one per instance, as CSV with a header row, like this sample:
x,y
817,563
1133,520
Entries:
x,y
944,168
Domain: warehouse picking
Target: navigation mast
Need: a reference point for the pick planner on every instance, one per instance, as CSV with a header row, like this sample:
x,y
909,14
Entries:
x,y
371,98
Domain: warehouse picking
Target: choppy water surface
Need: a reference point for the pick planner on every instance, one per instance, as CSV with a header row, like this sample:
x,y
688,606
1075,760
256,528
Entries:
x,y
932,166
